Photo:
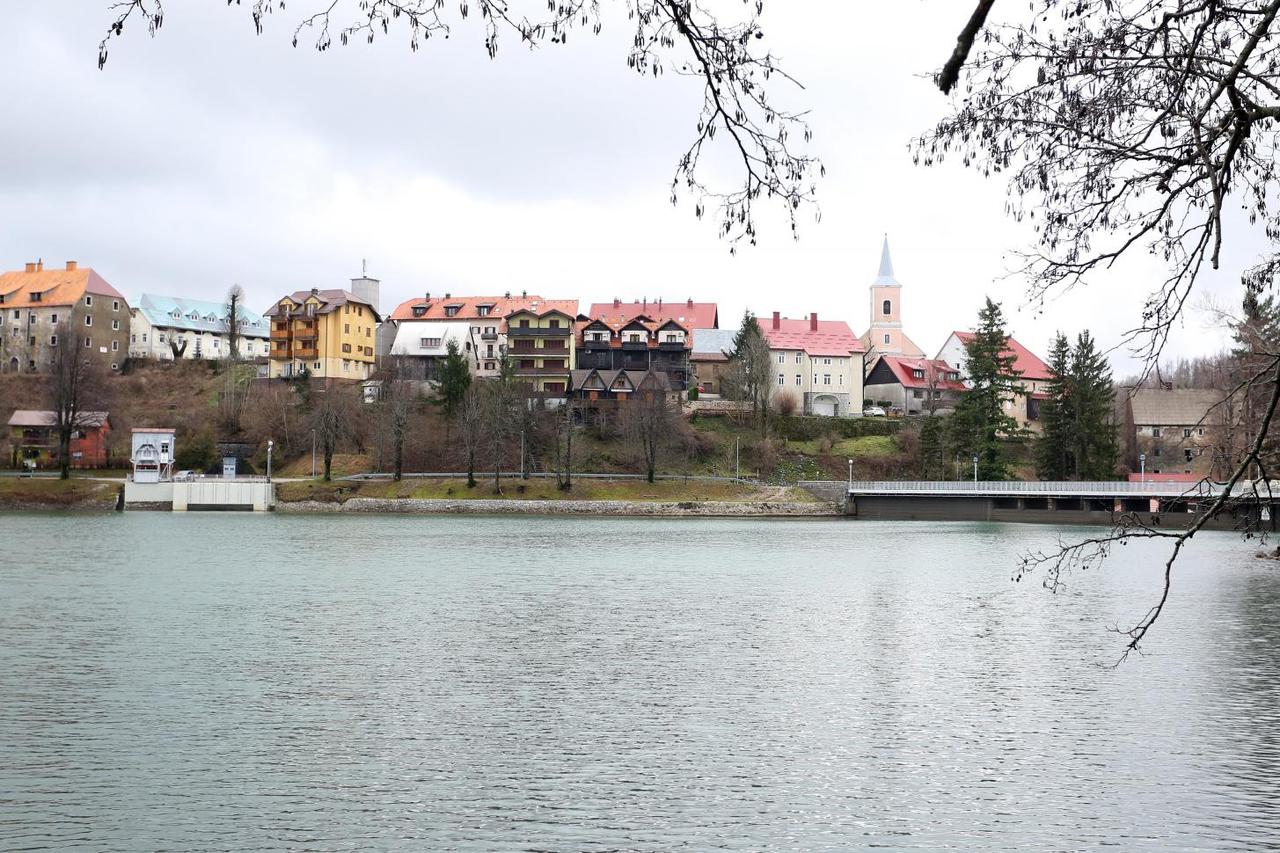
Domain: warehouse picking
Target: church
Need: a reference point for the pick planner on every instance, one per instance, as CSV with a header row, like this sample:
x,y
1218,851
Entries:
x,y
886,337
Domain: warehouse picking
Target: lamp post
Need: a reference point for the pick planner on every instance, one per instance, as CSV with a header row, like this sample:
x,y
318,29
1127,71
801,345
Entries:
x,y
1142,467
851,475
313,453
270,444
975,469
736,459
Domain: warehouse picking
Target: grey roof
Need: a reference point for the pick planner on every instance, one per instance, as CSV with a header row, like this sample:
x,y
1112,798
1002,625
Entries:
x,y
198,315
885,275
45,418
1183,407
637,378
712,341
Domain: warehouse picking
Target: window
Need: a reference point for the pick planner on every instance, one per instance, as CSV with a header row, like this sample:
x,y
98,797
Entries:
x,y
115,325
488,365
53,319
88,319
419,310
346,328
1186,433
554,324
841,378
799,357
1155,431
450,310
88,343
346,364
115,366
886,339
917,394
115,346
430,343
317,365
673,338
917,374
782,358
826,361
115,304
1189,454
1156,452
886,307
144,337
31,318
782,380
88,301
483,310
798,382
826,379
133,339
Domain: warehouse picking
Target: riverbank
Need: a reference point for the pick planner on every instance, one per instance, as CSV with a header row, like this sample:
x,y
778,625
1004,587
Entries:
x,y
668,498
19,494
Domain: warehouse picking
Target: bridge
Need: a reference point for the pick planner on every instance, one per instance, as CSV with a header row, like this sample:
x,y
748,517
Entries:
x,y
1065,502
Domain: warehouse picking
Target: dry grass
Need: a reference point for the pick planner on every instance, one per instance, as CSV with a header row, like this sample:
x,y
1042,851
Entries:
x,y
42,492
534,489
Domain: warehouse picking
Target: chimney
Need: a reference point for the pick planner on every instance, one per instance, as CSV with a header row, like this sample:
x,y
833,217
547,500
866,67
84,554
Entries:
x,y
428,296
524,294
315,291
813,322
71,266
40,265
777,322
617,303
508,296
31,266
448,296
690,302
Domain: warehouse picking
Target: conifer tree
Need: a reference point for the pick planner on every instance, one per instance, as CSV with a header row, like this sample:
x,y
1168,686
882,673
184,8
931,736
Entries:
x,y
750,376
1053,449
979,426
1094,447
455,378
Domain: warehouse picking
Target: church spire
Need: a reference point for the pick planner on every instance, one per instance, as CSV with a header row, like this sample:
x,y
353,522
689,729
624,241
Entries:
x,y
886,265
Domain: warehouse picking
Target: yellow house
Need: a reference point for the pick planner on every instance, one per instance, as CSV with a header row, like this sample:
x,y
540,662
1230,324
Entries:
x,y
540,344
330,334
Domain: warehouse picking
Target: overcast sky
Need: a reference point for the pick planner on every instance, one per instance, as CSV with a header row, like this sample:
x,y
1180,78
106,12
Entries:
x,y
210,155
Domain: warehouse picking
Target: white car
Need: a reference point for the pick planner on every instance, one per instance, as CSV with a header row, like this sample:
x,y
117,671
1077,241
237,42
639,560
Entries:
x,y
873,412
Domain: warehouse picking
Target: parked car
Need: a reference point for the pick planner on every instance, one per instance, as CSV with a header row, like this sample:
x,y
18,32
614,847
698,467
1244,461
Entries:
x,y
183,477
873,412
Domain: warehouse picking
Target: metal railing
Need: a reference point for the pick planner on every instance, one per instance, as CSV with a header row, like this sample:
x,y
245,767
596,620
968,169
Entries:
x,y
1017,488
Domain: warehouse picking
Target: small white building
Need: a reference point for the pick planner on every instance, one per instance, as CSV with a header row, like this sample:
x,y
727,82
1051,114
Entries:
x,y
168,328
152,455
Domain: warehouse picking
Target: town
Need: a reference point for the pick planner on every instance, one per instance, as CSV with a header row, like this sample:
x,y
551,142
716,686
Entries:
x,y
330,383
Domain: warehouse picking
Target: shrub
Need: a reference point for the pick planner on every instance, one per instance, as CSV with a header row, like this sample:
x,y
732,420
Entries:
x,y
786,403
693,393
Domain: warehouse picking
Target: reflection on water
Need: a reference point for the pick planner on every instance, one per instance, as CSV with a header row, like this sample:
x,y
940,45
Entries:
x,y
235,683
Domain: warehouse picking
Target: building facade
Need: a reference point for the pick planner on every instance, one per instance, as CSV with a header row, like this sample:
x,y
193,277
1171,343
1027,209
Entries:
x,y
39,307
819,361
914,386
1032,376
424,326
1178,431
167,328
686,312
885,336
327,334
709,358
640,344
540,343
33,440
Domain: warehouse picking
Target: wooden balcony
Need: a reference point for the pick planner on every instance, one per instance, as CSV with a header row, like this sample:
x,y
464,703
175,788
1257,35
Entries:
x,y
304,353
530,332
542,371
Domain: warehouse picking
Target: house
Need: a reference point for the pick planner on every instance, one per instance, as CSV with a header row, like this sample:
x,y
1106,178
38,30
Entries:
x,y
33,439
167,328
152,454
540,342
423,327
885,335
639,344
709,358
1177,430
820,361
595,385
1032,376
914,385
328,334
38,305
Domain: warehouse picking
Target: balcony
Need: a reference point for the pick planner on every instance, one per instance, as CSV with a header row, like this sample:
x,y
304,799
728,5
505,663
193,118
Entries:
x,y
635,345
488,336
530,332
591,343
311,353
673,345
541,371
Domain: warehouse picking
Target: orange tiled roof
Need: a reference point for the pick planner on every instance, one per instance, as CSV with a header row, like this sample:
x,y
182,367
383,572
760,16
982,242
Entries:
x,y
693,315
616,325
433,308
56,287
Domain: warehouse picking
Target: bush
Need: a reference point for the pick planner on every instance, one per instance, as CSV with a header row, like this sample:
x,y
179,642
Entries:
x,y
786,403
809,428
693,393
196,453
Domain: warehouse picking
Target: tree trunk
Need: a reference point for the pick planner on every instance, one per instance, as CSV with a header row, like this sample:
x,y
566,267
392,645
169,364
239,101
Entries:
x,y
64,454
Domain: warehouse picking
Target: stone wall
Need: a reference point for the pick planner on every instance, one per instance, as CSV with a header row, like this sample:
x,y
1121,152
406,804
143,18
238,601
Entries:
x,y
715,509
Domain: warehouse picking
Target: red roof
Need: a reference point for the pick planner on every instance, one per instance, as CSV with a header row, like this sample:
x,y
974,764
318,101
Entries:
x,y
935,370
433,307
832,337
686,312
1027,363
652,328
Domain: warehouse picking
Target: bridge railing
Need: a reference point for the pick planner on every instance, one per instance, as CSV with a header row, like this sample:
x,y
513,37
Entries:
x,y
1072,488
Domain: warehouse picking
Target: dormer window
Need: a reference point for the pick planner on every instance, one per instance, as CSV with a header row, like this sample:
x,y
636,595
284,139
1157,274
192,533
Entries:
x,y
419,310
451,310
35,296
917,374
483,310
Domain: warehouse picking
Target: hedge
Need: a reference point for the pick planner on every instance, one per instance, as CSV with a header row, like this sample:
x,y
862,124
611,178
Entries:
x,y
809,427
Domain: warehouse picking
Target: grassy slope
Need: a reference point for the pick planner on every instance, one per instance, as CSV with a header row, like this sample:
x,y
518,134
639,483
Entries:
x,y
536,489
23,492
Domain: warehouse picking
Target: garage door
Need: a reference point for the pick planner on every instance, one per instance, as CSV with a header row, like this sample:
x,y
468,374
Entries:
x,y
824,406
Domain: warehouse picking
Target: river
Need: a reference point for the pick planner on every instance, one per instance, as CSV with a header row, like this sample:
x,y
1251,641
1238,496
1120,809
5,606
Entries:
x,y
238,682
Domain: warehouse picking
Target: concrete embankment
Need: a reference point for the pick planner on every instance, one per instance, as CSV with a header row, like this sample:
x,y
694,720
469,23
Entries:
x,y
670,509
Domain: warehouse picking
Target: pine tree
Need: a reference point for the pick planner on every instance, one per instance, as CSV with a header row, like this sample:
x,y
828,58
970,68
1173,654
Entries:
x,y
979,426
1094,447
1257,338
1054,447
750,375
455,378
933,448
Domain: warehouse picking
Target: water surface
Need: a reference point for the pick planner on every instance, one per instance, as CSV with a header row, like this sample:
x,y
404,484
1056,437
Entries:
x,y
234,682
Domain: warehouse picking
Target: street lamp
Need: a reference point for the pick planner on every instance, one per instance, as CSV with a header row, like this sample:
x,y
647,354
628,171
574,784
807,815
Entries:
x,y
851,475
313,453
1142,463
270,444
975,469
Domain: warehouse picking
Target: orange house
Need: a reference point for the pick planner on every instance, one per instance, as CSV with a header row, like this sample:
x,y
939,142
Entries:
x,y
33,439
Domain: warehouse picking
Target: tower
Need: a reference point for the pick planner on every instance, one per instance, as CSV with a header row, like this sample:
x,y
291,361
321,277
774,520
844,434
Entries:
x,y
885,336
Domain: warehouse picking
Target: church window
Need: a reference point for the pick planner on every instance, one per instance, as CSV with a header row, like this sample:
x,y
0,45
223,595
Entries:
x,y
887,307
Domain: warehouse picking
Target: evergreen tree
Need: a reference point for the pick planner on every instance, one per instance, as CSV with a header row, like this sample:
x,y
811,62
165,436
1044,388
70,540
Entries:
x,y
1257,341
979,425
933,448
1054,447
750,375
455,378
1094,447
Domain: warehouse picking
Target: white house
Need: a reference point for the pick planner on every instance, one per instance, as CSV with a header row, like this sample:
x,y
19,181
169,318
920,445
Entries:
x,y
819,361
166,328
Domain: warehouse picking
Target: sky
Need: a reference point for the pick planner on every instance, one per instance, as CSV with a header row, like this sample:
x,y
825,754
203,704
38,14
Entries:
x,y
209,156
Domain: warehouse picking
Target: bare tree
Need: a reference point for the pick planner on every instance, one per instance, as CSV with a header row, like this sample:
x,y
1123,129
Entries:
x,y
1123,126
750,377
501,394
471,418
564,444
738,119
235,321
75,380
649,422
178,347
395,402
332,419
